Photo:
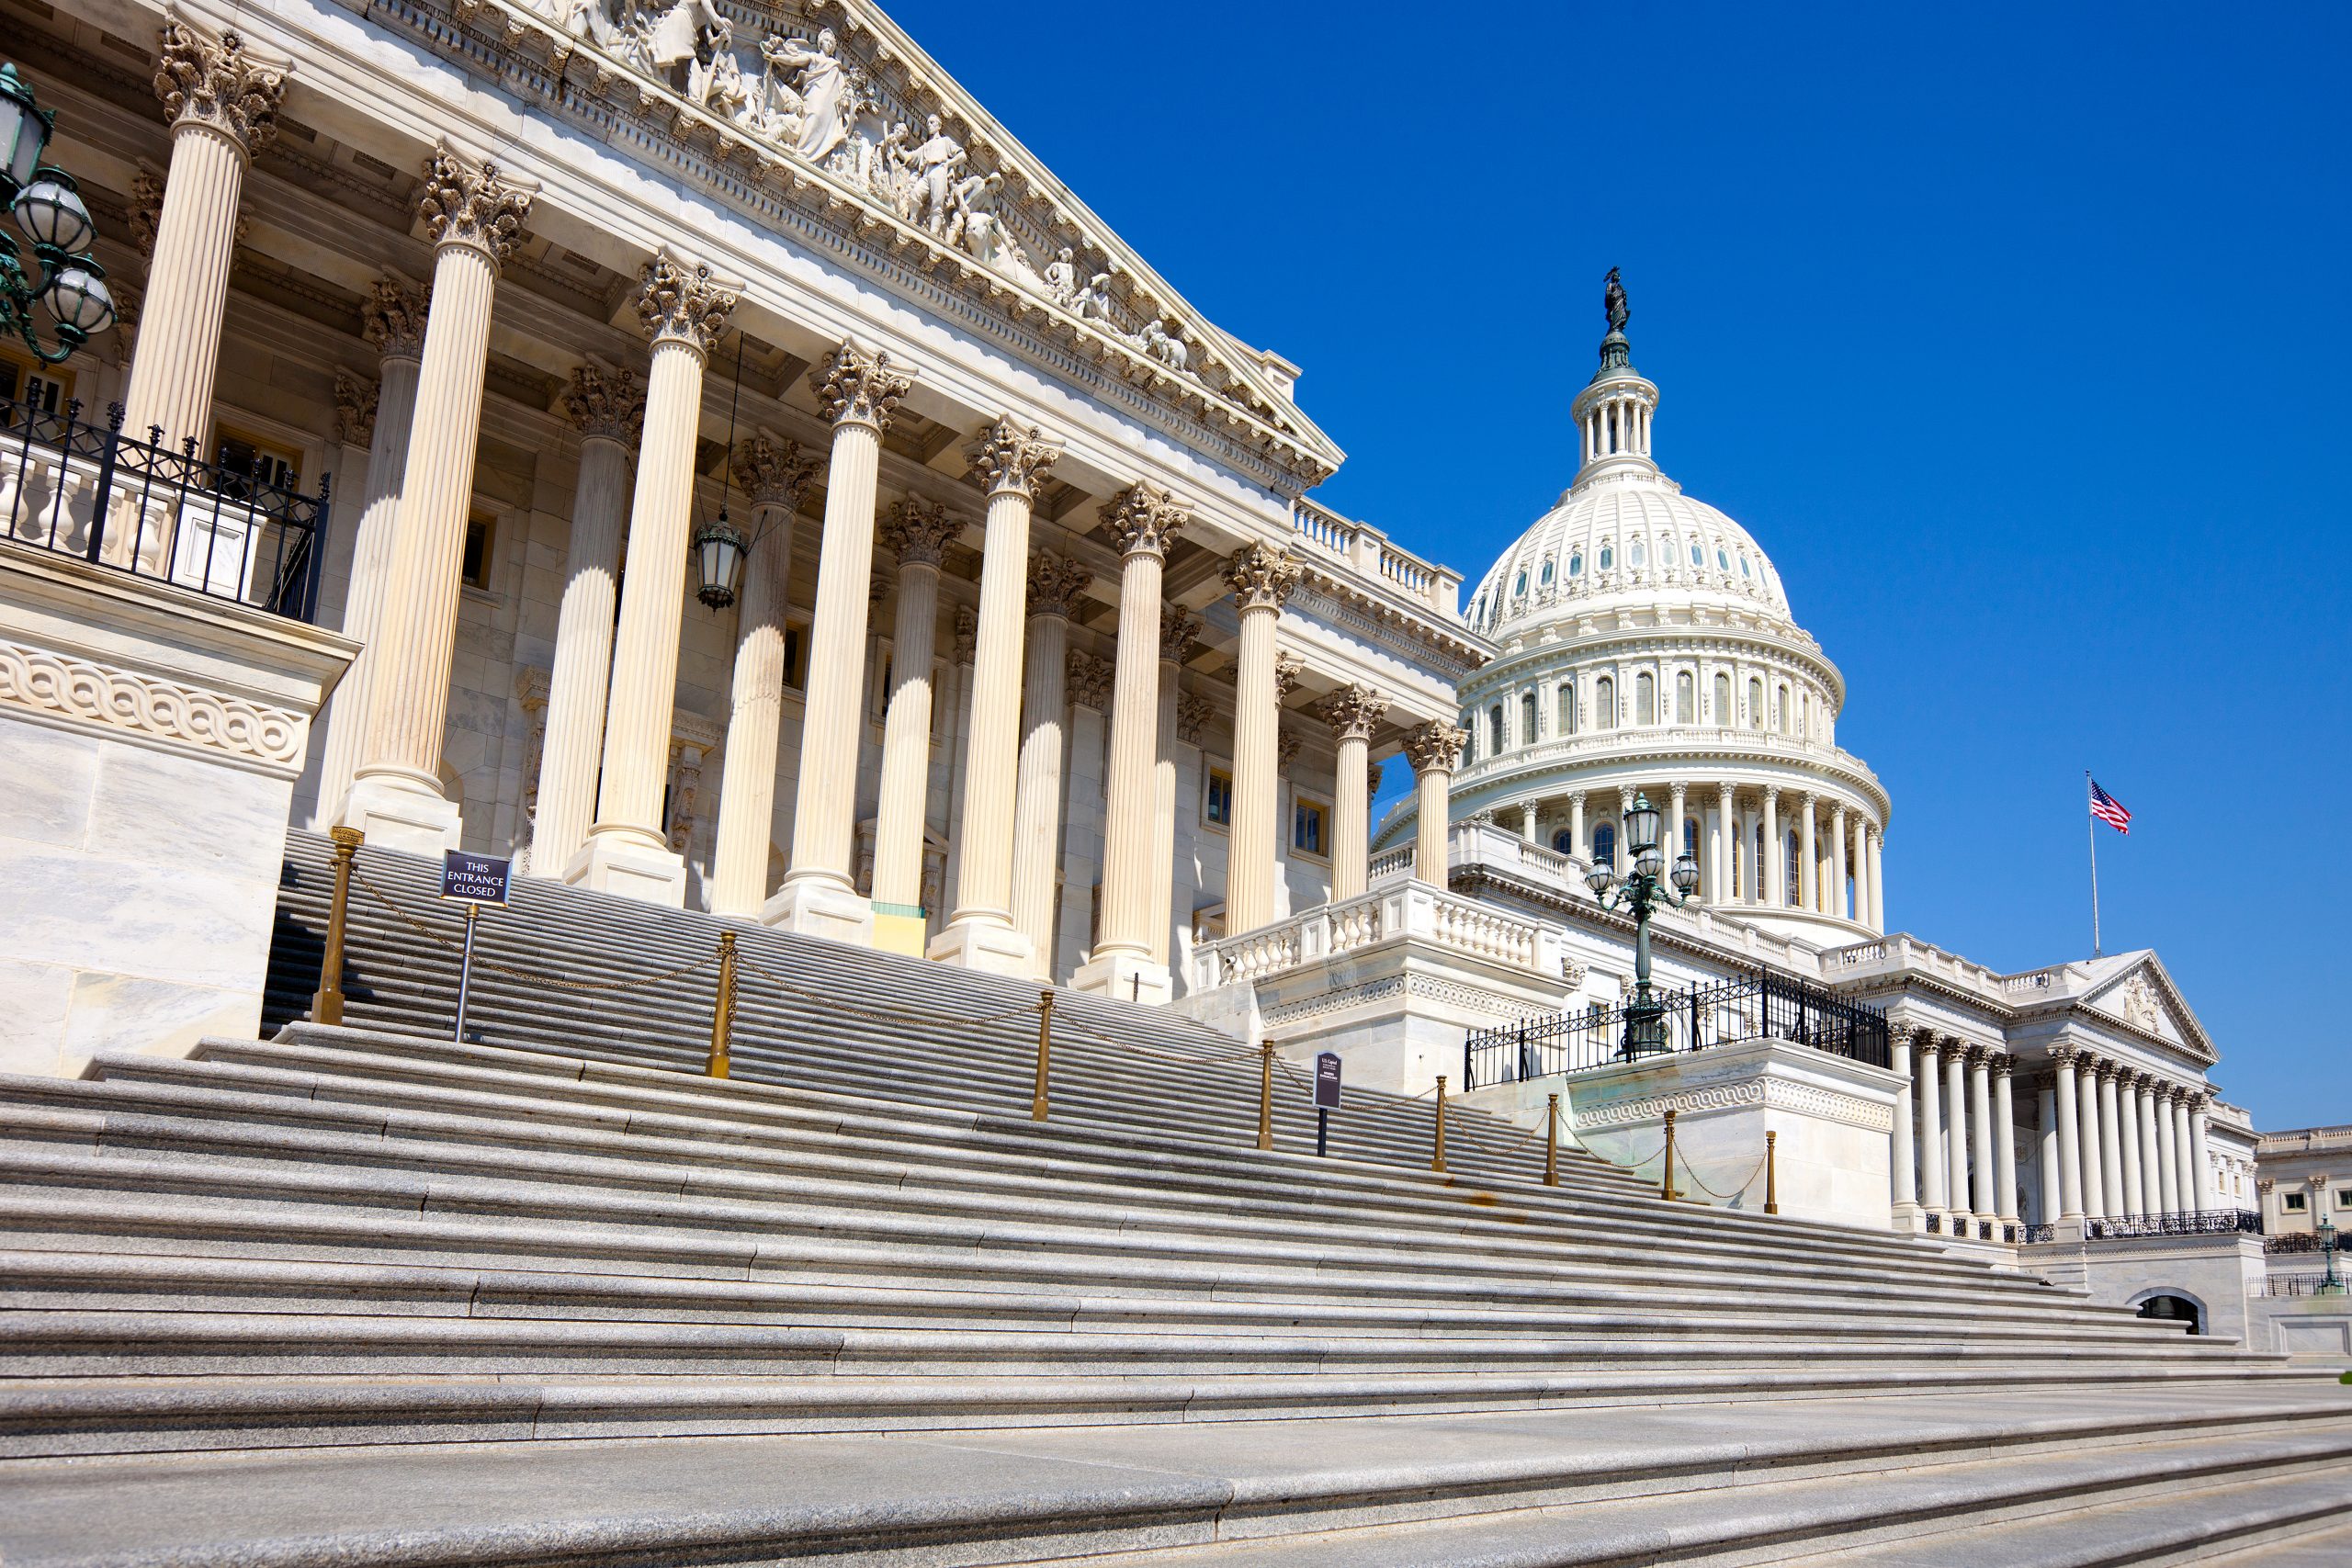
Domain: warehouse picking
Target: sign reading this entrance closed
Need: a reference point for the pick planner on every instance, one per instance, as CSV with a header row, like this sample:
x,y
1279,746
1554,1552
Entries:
x,y
477,879
1326,1081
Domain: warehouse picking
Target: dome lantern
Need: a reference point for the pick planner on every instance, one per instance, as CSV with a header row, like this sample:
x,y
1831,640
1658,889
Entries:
x,y
1612,413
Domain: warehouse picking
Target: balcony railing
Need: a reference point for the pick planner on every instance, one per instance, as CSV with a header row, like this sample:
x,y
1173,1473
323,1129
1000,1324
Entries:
x,y
2204,1221
1748,1007
79,488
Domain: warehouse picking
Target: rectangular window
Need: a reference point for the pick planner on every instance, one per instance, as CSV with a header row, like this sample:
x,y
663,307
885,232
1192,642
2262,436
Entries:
x,y
796,653
1309,822
241,462
2344,1197
38,387
2293,1202
481,530
1216,799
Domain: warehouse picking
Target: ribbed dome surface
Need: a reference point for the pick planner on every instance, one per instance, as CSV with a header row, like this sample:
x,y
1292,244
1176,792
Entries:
x,y
1626,537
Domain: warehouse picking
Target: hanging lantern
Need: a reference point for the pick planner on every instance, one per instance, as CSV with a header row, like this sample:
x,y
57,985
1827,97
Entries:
x,y
24,131
719,548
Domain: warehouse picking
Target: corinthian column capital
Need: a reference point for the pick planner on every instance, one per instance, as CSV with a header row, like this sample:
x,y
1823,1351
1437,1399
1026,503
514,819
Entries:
x,y
1434,744
468,203
1011,457
1355,712
607,403
681,302
393,317
1142,520
1089,680
1260,578
1288,668
773,473
220,85
1055,584
917,531
354,407
1192,715
854,387
1179,629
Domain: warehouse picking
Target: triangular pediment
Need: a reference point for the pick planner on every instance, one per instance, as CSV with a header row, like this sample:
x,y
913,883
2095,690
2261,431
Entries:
x,y
836,103
2139,994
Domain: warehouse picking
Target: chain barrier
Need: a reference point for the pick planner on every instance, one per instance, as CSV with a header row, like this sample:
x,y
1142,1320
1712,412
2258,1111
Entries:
x,y
508,970
1736,1191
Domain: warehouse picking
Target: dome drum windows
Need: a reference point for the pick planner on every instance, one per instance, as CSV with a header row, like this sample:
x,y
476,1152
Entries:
x,y
1686,698
1604,703
1527,717
1495,730
1723,713
1755,703
1645,699
1566,722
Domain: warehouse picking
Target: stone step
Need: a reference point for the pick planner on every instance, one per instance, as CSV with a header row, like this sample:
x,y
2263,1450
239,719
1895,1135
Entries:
x,y
2318,1549
1794,1475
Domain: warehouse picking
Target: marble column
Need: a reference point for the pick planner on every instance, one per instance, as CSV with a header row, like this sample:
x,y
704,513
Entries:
x,y
608,407
2003,1132
1956,1134
857,390
684,311
1861,870
1934,1165
2167,1154
1179,629
1808,874
1837,902
2119,1198
1010,459
2046,1145
773,475
1055,585
2184,1165
918,533
1355,712
1434,748
221,98
2152,1169
1670,837
1577,844
1878,882
2128,1130
393,320
473,213
1984,1200
2095,1202
1903,1154
1261,580
2069,1187
1771,877
1727,853
2199,1156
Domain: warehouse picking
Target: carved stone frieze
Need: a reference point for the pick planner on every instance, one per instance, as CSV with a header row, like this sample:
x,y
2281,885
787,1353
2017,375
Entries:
x,y
918,531
393,317
1055,584
63,685
1143,520
773,472
605,402
677,302
1260,578
354,407
1009,456
856,386
219,82
471,204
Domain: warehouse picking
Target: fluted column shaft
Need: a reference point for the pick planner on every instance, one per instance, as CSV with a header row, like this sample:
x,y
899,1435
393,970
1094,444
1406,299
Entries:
x,y
1726,846
1956,1134
1772,876
1934,1164
1905,1151
1038,810
2046,1212
2130,1130
1808,872
1262,581
1134,750
2095,1199
739,882
1983,1198
1177,630
2202,1177
1838,905
2152,1169
1878,884
2184,1162
580,681
2003,1132
917,534
371,559
2167,1157
2119,1198
2070,1143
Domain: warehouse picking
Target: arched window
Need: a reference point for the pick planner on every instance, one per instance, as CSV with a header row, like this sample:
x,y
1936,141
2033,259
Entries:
x,y
1686,698
1698,556
1518,585
1608,556
1691,837
1759,861
1604,845
1755,703
1604,703
1780,710
1638,554
1575,563
1565,841
1545,580
1645,699
1792,872
1495,729
1722,715
1566,723
1743,563
1527,718
1722,561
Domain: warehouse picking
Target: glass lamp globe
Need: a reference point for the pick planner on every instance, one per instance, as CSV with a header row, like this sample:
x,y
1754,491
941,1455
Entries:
x,y
718,562
1641,824
1686,875
1649,859
78,297
24,128
1601,876
51,211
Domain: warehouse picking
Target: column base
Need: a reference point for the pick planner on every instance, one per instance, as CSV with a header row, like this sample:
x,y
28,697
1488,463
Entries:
x,y
987,947
899,928
622,861
814,905
1126,978
1910,1219
400,813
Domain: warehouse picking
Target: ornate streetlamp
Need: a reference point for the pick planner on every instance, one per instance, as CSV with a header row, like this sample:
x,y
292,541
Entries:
x,y
1643,890
69,285
2330,1285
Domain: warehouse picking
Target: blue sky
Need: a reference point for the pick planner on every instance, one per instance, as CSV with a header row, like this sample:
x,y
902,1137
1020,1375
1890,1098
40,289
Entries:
x,y
2017,337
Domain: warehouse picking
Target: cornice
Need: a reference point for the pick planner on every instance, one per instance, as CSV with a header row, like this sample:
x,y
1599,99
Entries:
x,y
1513,657
1560,772
1421,636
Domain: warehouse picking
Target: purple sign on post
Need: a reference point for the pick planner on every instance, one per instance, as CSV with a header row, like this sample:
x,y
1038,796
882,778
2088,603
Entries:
x,y
1326,1081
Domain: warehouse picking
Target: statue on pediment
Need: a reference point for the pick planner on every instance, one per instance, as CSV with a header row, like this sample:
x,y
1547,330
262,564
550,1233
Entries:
x,y
932,165
821,86
1062,280
1161,344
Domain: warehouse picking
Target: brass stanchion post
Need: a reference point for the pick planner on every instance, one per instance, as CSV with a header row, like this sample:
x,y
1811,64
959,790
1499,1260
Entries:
x,y
1666,1170
1437,1161
722,1006
1552,1144
1045,1053
1265,1094
326,1006
1771,1175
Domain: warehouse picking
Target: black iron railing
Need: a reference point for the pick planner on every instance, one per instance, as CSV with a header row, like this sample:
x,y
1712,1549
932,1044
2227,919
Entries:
x,y
1749,1007
2293,1241
222,529
2298,1285
2204,1221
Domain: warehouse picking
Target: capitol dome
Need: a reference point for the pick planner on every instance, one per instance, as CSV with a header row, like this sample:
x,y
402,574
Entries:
x,y
1645,645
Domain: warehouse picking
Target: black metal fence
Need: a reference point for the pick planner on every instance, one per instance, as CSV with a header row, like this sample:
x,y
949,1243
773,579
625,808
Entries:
x,y
228,530
2293,1241
2204,1221
1749,1007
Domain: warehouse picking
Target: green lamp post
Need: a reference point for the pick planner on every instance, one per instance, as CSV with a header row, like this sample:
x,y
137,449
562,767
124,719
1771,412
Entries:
x,y
64,278
2331,1285
1643,891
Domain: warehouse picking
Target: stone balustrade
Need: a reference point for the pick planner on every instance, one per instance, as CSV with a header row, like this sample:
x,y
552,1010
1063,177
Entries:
x,y
1400,910
1368,553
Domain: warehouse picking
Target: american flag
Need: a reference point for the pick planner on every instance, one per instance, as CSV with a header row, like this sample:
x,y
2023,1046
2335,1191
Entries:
x,y
2108,809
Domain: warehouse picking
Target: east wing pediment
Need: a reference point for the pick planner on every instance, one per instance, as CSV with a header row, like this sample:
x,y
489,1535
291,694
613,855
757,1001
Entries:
x,y
2143,995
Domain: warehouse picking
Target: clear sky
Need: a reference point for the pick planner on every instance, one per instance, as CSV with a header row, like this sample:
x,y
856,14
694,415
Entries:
x,y
2018,336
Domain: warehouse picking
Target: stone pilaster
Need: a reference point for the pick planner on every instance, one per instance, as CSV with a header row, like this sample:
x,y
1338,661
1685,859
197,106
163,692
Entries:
x,y
683,309
393,320
473,213
857,390
1142,522
1262,581
1010,459
1353,713
1179,629
1434,748
773,475
917,534
1053,587
607,407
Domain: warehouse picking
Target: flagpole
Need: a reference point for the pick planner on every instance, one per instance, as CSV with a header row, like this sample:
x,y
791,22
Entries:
x,y
2091,822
